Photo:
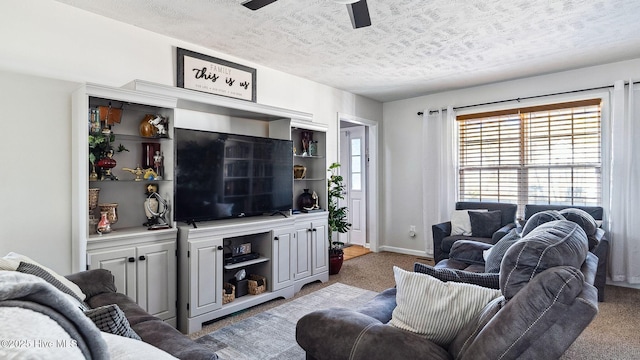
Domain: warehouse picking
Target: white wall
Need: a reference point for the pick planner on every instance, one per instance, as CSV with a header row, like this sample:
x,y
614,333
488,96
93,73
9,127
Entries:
x,y
48,49
401,202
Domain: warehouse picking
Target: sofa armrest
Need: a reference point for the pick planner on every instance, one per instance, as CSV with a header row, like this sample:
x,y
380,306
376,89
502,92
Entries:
x,y
93,282
500,233
602,252
337,333
440,231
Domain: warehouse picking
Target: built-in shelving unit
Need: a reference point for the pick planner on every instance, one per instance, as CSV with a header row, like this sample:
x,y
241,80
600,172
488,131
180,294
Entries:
x,y
151,266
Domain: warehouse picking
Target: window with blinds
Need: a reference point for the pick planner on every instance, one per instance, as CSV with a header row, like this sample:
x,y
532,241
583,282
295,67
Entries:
x,y
535,155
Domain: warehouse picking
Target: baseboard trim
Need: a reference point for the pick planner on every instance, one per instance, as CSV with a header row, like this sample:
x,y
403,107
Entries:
x,y
403,251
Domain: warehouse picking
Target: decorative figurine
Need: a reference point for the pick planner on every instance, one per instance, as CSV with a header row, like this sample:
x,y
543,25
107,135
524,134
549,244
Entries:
x,y
158,165
155,208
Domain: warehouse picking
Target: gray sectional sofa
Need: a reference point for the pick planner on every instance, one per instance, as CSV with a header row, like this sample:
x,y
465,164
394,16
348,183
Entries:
x,y
546,299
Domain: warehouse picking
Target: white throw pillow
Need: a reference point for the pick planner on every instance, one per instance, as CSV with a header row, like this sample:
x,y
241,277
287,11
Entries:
x,y
123,348
435,309
460,222
71,285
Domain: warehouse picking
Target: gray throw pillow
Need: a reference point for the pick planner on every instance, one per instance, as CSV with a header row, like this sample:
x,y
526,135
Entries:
x,y
33,269
111,319
494,258
454,275
484,224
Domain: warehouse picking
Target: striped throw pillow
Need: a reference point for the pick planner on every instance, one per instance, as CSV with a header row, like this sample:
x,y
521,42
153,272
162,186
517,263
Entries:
x,y
435,309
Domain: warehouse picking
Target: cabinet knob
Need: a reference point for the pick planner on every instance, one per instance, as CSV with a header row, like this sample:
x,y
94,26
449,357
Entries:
x,y
309,230
220,248
314,229
276,238
142,258
131,259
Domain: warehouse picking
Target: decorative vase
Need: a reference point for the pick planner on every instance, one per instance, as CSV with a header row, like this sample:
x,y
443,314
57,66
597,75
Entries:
x,y
313,148
111,210
336,258
305,200
104,226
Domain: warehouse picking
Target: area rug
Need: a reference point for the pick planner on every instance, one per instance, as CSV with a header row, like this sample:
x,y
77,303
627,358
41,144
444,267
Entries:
x,y
271,334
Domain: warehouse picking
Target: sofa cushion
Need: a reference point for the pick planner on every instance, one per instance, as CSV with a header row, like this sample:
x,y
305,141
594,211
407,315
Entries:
x,y
484,224
540,218
111,319
495,254
435,309
455,275
554,243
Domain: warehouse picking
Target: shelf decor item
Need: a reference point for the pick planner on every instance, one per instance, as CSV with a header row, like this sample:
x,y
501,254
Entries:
x,y
299,172
111,209
229,293
153,126
104,226
155,208
306,137
306,200
93,204
257,284
313,148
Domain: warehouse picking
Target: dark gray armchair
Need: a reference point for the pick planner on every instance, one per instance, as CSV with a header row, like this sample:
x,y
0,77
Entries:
x,y
443,240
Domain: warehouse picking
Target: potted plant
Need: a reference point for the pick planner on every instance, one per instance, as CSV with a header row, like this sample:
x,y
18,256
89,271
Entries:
x,y
99,147
337,218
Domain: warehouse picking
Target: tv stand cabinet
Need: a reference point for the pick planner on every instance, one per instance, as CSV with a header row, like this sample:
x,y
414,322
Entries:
x,y
293,252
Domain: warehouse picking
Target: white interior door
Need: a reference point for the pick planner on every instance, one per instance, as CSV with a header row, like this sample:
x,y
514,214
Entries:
x,y
353,158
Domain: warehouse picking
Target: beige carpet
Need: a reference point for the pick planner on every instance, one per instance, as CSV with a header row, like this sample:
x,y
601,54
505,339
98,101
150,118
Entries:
x,y
614,334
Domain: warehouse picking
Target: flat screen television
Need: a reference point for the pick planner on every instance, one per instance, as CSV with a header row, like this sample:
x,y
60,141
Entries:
x,y
220,175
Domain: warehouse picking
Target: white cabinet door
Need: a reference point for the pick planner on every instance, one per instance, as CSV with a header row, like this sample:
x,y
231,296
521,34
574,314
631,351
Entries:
x,y
157,264
122,264
205,275
302,256
281,258
320,245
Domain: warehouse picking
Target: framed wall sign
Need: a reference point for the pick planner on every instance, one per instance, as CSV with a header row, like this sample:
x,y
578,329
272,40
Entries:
x,y
215,76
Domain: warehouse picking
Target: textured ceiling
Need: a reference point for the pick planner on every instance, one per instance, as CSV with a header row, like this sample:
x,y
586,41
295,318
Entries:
x,y
413,48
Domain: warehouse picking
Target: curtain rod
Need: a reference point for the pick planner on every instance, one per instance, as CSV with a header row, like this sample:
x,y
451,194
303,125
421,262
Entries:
x,y
524,98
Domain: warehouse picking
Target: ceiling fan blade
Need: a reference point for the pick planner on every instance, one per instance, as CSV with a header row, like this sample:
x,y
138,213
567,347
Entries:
x,y
359,14
257,4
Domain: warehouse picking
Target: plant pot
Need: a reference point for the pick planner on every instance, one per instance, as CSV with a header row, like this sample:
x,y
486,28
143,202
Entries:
x,y
335,262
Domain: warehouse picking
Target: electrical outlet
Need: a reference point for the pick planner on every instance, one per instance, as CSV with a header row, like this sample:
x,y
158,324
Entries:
x,y
412,231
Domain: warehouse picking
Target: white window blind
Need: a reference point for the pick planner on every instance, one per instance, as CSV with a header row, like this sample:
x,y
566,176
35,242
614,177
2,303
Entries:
x,y
535,155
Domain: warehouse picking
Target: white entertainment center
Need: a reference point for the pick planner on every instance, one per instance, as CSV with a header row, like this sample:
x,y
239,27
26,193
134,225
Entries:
x,y
178,273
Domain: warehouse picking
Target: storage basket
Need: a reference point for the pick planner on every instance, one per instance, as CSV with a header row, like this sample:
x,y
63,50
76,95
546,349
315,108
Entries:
x,y
257,284
228,293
